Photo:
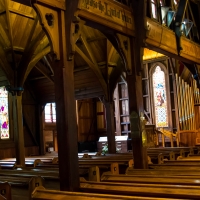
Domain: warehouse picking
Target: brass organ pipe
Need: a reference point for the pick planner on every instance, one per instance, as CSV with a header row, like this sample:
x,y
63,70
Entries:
x,y
178,101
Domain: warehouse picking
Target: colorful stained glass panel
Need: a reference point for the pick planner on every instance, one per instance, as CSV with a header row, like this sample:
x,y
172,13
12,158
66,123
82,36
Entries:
x,y
160,100
154,9
4,117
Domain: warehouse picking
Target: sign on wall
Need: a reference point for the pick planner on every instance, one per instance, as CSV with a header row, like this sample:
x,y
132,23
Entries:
x,y
108,13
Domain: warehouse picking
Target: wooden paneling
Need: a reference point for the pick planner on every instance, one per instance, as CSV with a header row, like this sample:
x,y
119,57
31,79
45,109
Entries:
x,y
197,116
86,120
188,138
190,50
160,36
10,152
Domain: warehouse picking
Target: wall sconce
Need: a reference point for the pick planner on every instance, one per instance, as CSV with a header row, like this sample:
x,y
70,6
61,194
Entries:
x,y
186,27
167,15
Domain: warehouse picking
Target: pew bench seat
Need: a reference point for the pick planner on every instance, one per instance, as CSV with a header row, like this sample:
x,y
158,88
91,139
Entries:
x,y
43,194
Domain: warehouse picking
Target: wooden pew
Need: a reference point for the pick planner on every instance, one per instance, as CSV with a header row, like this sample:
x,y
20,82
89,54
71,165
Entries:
x,y
166,172
5,190
43,194
161,191
174,167
19,187
120,165
10,164
190,162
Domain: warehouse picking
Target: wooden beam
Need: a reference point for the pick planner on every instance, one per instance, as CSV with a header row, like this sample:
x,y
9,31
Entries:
x,y
49,63
24,65
6,66
111,53
18,130
40,67
21,13
33,62
66,110
24,2
7,3
110,125
96,39
28,125
87,47
95,69
2,11
134,82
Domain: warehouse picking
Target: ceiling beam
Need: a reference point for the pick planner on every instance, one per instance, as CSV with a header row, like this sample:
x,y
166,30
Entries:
x,y
7,5
40,67
96,39
24,2
95,69
33,62
21,13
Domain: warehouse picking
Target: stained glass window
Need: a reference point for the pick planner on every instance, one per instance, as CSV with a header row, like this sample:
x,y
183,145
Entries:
x,y
154,9
50,113
160,100
4,117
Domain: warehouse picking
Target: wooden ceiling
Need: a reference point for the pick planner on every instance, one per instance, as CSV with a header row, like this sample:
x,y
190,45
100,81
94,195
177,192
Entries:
x,y
24,50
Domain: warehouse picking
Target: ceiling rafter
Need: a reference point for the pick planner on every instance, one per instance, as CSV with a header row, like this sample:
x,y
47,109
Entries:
x,y
21,13
33,62
27,56
49,63
88,49
7,4
6,66
112,49
47,73
95,69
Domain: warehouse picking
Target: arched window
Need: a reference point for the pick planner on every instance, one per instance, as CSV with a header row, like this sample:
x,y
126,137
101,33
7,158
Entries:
x,y
160,97
4,117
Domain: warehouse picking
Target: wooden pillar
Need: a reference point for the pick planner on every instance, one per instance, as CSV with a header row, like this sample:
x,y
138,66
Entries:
x,y
136,106
117,112
110,126
41,129
66,115
134,81
66,127
18,130
55,141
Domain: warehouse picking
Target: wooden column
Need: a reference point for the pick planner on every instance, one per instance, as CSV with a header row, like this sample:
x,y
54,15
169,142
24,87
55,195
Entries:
x,y
134,81
110,126
136,106
18,130
66,115
41,129
117,112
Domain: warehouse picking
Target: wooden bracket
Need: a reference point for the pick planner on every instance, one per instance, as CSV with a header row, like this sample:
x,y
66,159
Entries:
x,y
49,21
125,48
76,29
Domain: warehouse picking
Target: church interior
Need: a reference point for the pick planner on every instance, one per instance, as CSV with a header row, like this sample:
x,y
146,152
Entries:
x,y
99,99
